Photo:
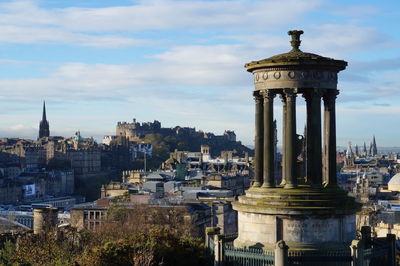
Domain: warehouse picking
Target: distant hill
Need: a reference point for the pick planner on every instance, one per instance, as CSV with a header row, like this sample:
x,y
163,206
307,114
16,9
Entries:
x,y
163,144
166,140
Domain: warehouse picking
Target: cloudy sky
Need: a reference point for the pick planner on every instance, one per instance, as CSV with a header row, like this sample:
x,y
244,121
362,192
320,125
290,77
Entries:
x,y
97,62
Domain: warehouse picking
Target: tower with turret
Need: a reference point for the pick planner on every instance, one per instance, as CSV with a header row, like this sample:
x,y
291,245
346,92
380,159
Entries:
x,y
44,130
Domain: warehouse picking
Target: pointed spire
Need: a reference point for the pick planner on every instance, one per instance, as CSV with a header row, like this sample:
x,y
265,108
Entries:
x,y
365,149
374,148
349,151
44,111
44,130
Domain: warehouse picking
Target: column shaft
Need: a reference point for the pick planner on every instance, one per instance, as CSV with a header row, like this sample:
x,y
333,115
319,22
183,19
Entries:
x,y
283,163
330,136
259,143
325,155
314,137
269,179
291,160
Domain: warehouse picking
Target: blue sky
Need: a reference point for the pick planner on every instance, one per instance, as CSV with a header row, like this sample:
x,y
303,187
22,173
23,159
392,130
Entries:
x,y
181,62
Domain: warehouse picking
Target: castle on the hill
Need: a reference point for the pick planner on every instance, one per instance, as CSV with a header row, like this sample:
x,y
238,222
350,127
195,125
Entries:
x,y
136,130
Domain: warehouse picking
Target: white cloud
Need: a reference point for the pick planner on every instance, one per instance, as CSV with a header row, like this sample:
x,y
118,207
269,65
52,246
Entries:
x,y
335,40
356,11
26,22
190,78
26,35
159,14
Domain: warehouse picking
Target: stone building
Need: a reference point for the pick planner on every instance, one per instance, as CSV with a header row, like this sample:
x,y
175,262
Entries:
x,y
133,176
60,183
10,192
88,216
191,214
224,217
230,135
227,161
83,155
35,157
234,182
114,189
135,130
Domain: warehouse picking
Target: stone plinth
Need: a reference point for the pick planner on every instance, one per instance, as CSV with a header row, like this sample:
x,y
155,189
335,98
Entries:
x,y
305,218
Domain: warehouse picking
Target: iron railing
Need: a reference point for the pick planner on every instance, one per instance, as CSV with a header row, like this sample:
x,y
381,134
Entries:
x,y
247,256
326,257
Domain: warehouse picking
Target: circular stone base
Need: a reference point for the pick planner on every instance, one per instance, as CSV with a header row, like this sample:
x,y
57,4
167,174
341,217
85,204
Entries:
x,y
306,218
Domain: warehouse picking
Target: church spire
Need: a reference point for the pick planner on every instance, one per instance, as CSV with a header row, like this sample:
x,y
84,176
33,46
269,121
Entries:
x,y
374,147
365,153
44,130
44,111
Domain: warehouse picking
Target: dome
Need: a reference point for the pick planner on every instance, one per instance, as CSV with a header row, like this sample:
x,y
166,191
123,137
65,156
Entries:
x,y
78,136
297,58
296,69
394,183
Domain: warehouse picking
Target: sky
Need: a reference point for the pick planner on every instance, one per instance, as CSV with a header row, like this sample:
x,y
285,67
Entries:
x,y
97,62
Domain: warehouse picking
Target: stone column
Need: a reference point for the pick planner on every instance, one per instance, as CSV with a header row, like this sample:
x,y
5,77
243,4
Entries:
x,y
314,137
210,232
283,163
330,136
259,142
268,173
325,156
290,143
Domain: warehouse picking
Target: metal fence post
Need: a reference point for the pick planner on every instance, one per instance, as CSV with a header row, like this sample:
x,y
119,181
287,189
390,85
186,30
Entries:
x,y
357,253
391,240
281,254
366,236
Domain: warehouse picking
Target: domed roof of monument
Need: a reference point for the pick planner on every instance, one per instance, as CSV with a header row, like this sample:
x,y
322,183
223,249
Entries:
x,y
395,180
297,58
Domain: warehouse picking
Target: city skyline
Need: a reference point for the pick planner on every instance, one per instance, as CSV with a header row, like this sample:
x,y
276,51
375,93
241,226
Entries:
x,y
96,64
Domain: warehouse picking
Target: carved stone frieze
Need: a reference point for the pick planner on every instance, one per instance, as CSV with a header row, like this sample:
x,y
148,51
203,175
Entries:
x,y
273,79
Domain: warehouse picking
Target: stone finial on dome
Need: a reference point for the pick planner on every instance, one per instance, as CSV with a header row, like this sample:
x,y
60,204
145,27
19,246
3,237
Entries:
x,y
295,42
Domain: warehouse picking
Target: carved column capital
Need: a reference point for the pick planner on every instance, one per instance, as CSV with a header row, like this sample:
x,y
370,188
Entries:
x,y
330,96
290,92
313,94
267,93
257,96
283,97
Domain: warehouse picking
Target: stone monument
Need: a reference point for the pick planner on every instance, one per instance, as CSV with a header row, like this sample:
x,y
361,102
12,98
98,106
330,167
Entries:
x,y
308,212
